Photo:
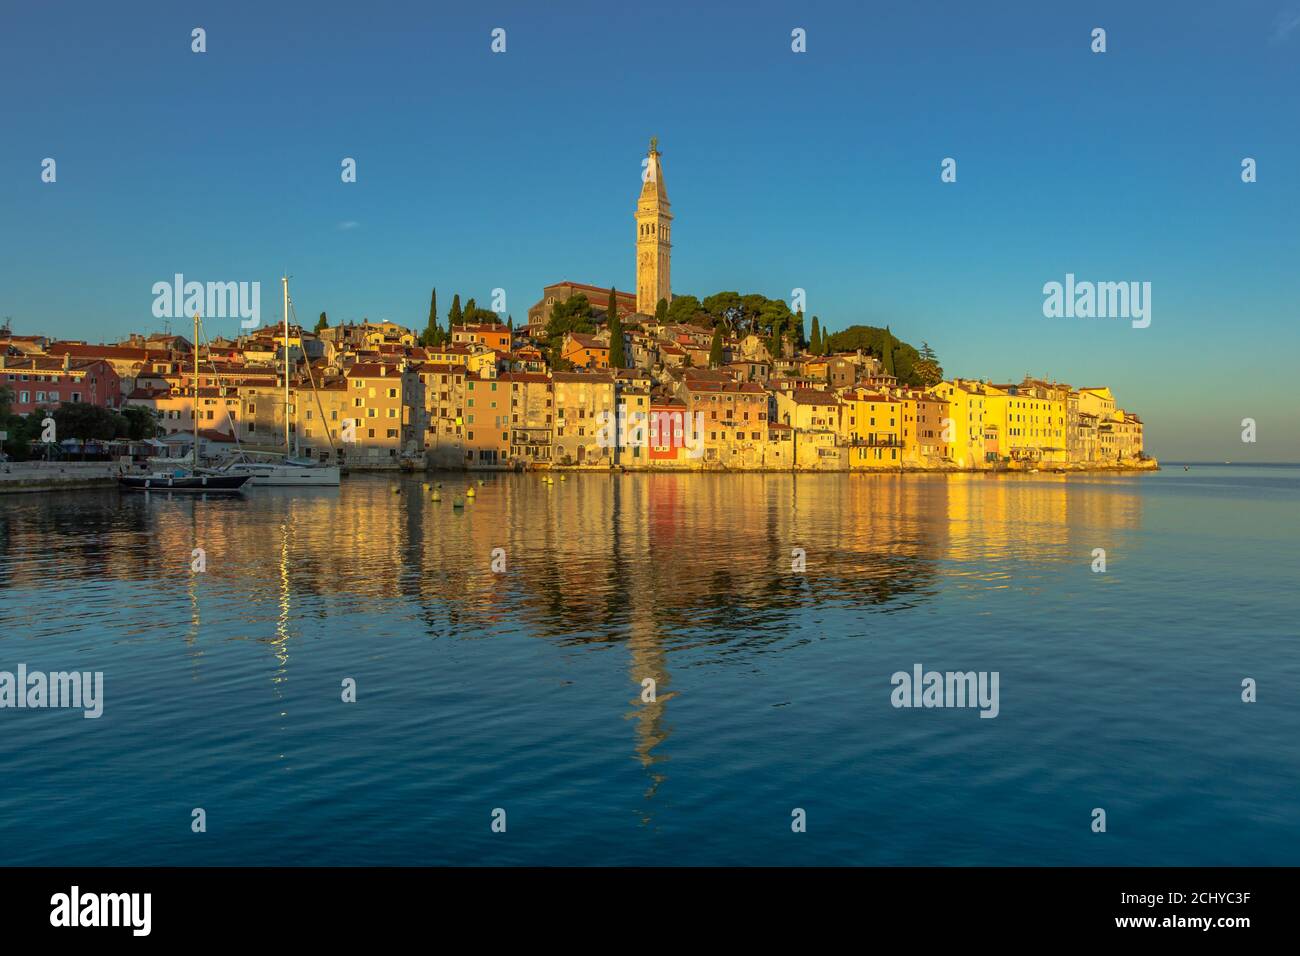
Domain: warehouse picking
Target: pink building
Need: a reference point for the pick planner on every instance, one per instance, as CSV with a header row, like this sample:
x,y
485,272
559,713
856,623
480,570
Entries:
x,y
46,383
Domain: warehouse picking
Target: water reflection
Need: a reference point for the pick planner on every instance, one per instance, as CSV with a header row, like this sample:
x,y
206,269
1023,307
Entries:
x,y
660,565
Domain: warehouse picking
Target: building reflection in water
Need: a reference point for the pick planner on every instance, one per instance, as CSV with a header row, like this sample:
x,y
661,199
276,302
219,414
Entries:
x,y
661,564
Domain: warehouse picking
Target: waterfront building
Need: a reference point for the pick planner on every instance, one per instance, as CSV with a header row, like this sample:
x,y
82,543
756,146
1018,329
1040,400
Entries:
x,y
42,382
583,401
967,402
1030,419
871,426
531,416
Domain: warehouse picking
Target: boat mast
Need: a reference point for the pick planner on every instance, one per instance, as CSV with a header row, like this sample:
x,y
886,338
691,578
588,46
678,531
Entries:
x,y
284,280
194,402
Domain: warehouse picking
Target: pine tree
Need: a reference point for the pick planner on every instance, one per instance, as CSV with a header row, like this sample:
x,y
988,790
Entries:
x,y
715,350
431,332
616,357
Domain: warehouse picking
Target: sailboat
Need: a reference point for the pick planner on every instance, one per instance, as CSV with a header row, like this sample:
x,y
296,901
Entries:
x,y
177,479
281,471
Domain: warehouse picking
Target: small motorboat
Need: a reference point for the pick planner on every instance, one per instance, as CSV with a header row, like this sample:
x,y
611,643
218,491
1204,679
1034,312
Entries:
x,y
185,483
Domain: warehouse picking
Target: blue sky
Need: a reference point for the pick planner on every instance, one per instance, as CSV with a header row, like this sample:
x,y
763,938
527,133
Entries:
x,y
817,170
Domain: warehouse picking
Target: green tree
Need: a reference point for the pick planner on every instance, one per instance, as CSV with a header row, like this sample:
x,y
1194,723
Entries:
x,y
683,309
455,317
774,346
815,342
85,421
878,341
661,311
322,323
432,334
715,350
483,317
574,314
800,342
141,422
617,358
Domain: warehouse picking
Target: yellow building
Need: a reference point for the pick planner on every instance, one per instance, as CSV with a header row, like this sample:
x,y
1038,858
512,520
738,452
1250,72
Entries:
x,y
871,425
374,420
923,417
1030,419
653,236
965,432
584,404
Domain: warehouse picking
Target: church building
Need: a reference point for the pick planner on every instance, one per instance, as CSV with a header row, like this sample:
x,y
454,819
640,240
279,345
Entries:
x,y
653,256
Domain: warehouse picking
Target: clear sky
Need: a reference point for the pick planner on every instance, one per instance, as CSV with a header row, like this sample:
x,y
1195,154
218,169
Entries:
x,y
817,170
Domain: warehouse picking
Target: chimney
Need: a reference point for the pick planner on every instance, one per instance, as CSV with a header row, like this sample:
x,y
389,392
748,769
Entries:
x,y
67,361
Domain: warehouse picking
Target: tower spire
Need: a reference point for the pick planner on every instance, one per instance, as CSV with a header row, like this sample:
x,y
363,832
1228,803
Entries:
x,y
653,235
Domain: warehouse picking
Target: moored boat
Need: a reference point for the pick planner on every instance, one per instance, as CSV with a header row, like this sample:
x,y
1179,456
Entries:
x,y
287,473
188,481
191,484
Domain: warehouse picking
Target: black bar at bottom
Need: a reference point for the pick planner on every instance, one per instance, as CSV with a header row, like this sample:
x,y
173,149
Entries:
x,y
369,904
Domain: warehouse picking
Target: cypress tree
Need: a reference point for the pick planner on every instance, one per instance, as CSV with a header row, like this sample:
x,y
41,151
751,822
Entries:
x,y
322,322
715,350
887,350
455,316
774,347
661,311
815,342
616,357
431,331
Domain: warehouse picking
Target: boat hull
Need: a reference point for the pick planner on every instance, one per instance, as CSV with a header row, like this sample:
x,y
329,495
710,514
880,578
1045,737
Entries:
x,y
285,476
187,484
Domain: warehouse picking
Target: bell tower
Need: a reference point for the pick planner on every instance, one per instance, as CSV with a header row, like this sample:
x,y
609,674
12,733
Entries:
x,y
653,235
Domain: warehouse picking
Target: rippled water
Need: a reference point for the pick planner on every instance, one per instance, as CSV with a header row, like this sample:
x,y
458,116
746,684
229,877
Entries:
x,y
522,691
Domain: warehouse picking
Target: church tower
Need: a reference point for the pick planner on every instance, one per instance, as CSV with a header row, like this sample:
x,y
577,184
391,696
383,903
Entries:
x,y
653,236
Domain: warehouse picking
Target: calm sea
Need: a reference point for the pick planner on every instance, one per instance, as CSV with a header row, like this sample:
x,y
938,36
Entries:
x,y
522,691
